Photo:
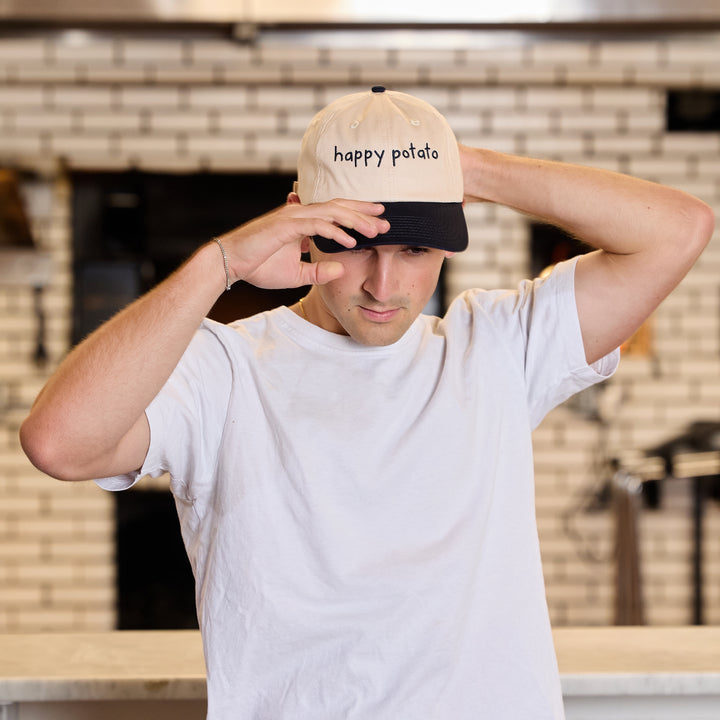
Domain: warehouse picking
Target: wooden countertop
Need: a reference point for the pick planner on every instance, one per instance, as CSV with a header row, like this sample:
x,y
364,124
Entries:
x,y
132,665
639,660
126,665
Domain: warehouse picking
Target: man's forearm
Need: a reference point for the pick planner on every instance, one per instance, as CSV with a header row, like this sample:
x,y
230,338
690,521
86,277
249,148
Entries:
x,y
608,210
100,391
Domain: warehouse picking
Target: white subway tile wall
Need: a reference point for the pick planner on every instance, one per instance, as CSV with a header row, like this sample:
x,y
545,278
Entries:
x,y
183,104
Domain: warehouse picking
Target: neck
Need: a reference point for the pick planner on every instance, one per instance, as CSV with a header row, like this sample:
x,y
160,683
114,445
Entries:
x,y
312,309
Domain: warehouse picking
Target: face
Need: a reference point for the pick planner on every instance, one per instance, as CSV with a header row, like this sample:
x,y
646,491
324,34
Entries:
x,y
382,291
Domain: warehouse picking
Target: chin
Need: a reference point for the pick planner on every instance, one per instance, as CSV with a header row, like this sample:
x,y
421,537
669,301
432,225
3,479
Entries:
x,y
378,336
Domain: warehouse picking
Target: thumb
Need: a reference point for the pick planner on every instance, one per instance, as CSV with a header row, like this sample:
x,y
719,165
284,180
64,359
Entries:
x,y
322,272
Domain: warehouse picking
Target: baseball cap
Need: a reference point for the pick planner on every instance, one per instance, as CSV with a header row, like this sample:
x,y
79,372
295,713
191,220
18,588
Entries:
x,y
393,148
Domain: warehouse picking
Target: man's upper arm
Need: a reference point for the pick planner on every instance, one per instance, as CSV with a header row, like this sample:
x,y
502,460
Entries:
x,y
129,455
616,293
612,302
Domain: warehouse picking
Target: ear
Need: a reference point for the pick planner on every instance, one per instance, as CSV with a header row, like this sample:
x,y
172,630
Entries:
x,y
448,253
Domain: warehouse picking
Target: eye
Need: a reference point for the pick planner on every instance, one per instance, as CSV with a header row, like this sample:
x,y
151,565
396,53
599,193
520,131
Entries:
x,y
417,251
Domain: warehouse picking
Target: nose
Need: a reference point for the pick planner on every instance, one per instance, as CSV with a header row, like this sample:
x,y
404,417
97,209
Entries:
x,y
381,278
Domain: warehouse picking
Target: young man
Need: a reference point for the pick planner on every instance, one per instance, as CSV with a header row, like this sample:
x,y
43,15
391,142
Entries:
x,y
353,478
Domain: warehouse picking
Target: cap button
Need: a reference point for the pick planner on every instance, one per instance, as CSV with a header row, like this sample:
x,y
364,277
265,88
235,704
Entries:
x,y
378,88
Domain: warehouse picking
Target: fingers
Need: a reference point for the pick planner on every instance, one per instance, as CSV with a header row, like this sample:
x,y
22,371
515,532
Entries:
x,y
329,219
266,251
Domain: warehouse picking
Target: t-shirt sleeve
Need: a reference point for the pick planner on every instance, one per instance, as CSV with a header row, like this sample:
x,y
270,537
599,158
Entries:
x,y
186,418
537,326
555,364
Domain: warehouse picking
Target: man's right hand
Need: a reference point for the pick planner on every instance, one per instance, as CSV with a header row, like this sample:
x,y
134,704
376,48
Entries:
x,y
266,251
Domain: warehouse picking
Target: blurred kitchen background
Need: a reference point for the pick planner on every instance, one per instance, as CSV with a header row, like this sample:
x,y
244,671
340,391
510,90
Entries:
x,y
132,133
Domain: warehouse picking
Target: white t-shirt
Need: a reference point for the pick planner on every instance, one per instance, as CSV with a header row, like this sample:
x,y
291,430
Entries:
x,y
360,520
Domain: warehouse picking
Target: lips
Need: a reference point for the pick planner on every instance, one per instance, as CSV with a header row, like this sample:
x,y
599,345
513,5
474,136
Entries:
x,y
379,315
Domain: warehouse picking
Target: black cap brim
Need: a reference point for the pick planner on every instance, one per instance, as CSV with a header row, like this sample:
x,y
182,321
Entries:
x,y
417,224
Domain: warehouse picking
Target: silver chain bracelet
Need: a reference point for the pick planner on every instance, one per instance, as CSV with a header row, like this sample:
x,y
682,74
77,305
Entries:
x,y
228,284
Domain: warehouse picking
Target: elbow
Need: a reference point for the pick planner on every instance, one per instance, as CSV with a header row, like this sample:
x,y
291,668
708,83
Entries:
x,y
701,220
45,450
687,233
